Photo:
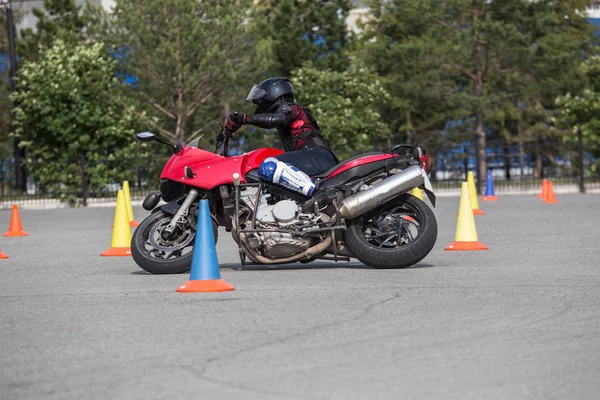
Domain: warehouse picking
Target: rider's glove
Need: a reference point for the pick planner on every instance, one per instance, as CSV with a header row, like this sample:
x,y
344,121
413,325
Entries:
x,y
234,121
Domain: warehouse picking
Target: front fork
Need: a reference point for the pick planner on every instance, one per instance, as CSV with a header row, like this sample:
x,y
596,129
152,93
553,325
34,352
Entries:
x,y
183,211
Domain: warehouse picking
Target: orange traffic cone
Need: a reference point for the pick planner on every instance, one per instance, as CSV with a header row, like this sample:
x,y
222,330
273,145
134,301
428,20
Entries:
x,y
544,193
121,237
550,198
466,233
15,228
2,255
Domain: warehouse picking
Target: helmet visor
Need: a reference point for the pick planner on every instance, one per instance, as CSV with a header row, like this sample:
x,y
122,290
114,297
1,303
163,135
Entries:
x,y
256,95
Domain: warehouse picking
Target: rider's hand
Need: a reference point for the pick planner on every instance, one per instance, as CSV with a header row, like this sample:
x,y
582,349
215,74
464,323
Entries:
x,y
234,121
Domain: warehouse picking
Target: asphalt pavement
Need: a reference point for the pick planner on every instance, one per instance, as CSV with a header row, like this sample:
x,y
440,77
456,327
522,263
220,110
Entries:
x,y
519,321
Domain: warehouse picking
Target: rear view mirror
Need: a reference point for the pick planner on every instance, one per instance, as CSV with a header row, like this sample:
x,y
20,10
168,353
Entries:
x,y
146,136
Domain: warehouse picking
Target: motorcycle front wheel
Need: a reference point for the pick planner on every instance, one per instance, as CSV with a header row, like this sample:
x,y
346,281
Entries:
x,y
397,234
157,252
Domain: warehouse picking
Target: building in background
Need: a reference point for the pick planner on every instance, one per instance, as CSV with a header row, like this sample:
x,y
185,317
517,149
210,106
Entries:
x,y
28,20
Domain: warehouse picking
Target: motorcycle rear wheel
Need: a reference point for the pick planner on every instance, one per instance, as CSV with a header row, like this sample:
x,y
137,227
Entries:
x,y
396,235
149,258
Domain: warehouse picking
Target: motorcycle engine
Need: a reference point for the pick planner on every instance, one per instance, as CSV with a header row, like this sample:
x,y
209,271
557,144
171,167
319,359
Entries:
x,y
283,215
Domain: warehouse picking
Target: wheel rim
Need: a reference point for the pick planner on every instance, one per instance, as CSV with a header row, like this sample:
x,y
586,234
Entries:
x,y
391,227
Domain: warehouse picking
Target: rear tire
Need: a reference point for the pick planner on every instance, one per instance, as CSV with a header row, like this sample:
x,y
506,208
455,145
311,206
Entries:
x,y
143,255
369,243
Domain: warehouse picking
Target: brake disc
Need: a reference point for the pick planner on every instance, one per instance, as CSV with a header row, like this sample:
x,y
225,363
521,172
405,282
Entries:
x,y
179,242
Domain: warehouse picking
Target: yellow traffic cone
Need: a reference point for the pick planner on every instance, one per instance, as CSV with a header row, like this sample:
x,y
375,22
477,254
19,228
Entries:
x,y
466,233
473,194
132,221
418,193
121,236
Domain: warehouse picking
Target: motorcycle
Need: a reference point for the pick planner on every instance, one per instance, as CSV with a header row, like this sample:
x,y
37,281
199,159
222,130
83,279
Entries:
x,y
360,209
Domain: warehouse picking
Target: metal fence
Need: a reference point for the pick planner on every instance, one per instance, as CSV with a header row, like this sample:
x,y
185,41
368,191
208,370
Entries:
x,y
143,177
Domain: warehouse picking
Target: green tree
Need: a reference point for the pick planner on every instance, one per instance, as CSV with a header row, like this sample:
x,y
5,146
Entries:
x,y
302,31
189,59
401,47
583,111
486,65
544,65
70,119
344,104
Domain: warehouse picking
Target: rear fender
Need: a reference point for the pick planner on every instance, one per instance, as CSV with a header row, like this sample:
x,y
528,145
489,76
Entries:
x,y
428,189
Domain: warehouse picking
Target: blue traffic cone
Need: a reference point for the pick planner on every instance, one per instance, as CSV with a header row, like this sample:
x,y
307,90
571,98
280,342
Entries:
x,y
205,275
489,188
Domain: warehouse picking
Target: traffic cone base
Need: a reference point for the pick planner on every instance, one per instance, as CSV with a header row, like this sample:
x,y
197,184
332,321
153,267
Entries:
x,y
132,224
18,233
213,285
489,198
477,212
550,201
466,246
117,252
205,275
2,255
15,227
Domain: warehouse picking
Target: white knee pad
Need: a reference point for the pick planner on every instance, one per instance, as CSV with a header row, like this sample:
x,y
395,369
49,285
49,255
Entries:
x,y
283,174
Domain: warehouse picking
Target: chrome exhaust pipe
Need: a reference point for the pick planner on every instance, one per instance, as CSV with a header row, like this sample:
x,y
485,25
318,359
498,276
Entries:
x,y
384,191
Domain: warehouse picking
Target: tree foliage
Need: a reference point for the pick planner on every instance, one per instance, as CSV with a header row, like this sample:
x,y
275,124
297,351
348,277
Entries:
x,y
583,111
301,31
186,59
70,120
488,67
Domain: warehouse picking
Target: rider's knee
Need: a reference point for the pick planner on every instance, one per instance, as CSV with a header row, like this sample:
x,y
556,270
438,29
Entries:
x,y
280,173
267,169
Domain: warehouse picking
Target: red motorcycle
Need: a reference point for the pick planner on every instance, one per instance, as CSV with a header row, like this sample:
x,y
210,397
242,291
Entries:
x,y
361,208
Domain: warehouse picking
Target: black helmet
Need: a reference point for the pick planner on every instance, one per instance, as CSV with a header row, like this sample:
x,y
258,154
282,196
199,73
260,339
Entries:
x,y
269,93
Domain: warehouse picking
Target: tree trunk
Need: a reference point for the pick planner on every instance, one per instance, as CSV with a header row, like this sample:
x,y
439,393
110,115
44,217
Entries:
x,y
521,148
506,157
478,71
84,183
538,168
466,163
226,109
480,158
180,127
432,170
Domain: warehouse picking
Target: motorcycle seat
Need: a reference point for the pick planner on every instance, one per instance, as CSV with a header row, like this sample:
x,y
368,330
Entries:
x,y
344,162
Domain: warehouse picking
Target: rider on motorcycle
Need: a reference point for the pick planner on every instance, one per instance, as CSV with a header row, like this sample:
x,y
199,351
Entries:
x,y
306,151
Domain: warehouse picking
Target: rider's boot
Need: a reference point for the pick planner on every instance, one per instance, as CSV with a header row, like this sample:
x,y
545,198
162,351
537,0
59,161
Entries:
x,y
280,173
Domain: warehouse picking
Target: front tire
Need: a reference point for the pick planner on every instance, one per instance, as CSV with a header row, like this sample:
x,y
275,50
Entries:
x,y
163,261
395,235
